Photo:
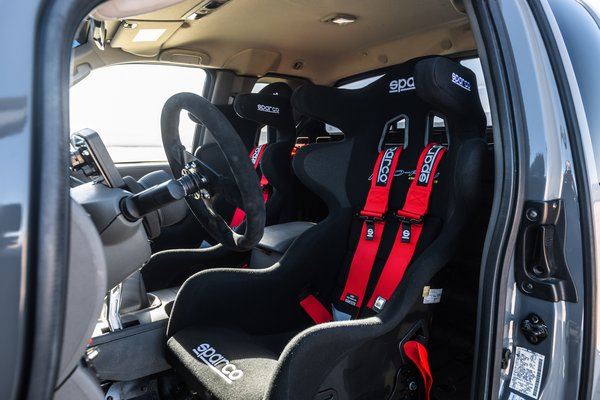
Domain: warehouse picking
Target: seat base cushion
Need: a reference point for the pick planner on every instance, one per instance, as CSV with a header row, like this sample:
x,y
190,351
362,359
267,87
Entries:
x,y
225,364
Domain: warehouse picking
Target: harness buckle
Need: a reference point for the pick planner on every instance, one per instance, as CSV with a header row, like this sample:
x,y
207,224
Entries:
x,y
370,221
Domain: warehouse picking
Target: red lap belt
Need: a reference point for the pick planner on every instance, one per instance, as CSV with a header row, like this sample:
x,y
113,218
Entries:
x,y
315,310
411,217
255,157
372,228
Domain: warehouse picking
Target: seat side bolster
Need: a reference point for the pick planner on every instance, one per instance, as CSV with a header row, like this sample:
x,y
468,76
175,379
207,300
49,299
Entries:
x,y
266,297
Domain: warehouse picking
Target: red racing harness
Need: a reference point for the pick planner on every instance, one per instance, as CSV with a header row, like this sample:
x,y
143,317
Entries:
x,y
373,213
411,216
255,157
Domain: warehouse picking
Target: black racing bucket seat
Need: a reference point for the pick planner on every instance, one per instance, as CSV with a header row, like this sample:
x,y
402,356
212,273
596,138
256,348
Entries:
x,y
271,108
242,334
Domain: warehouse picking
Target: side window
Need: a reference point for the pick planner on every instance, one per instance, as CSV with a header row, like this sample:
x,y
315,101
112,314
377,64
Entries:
x,y
123,103
474,64
579,24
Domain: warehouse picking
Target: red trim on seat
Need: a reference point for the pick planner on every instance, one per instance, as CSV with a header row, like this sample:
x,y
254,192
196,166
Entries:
x,y
315,310
418,355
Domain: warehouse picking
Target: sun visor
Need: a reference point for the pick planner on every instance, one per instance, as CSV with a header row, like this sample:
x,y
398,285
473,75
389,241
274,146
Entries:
x,y
144,38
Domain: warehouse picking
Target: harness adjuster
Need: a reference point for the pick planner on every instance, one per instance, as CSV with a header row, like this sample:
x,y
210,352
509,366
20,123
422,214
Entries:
x,y
371,218
411,219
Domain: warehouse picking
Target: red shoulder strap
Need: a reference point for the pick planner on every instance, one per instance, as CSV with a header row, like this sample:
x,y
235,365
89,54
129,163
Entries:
x,y
373,214
315,310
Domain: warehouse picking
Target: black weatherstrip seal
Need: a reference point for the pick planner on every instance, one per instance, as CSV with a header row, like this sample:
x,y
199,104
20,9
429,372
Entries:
x,y
495,53
573,131
50,222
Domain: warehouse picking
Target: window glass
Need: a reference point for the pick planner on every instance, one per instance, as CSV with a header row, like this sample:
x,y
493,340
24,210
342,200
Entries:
x,y
580,29
474,64
258,87
123,103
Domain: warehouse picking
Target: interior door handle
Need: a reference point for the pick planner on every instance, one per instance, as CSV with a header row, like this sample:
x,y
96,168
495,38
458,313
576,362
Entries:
x,y
541,269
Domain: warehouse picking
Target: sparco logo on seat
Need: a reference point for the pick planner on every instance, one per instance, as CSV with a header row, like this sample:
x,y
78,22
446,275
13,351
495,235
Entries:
x,y
255,154
460,81
384,168
428,163
217,363
269,109
402,85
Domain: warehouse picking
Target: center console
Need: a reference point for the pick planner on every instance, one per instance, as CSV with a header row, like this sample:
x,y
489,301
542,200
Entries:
x,y
137,349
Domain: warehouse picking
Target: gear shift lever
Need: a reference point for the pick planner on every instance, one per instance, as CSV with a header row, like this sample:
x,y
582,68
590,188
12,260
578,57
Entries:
x,y
113,307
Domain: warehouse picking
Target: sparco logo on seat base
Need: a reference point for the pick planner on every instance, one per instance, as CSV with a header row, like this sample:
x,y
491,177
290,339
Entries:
x,y
217,363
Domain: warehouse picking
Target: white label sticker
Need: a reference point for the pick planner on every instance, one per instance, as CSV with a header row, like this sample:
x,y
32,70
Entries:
x,y
527,373
515,397
432,296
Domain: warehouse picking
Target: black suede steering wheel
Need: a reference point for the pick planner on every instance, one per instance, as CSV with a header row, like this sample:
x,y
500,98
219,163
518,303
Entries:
x,y
243,190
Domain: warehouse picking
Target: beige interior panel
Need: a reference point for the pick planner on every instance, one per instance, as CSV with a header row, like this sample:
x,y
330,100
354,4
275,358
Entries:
x,y
257,37
114,9
253,61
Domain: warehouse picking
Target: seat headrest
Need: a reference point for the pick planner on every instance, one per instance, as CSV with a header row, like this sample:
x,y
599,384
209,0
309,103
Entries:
x,y
368,110
352,110
450,87
277,88
270,107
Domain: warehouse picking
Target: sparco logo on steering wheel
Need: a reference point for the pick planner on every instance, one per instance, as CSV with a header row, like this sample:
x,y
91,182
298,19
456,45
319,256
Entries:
x,y
266,108
217,363
385,166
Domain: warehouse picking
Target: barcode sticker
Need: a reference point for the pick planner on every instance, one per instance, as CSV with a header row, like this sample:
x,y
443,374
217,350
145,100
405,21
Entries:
x,y
432,296
513,396
527,372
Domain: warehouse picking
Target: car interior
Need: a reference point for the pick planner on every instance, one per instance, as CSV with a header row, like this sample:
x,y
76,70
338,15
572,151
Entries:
x,y
322,236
